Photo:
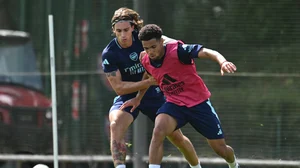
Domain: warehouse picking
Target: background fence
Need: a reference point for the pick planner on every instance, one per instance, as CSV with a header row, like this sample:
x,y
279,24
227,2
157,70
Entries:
x,y
258,106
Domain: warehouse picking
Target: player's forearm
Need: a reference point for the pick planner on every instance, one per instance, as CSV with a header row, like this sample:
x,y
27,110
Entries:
x,y
131,87
214,55
141,94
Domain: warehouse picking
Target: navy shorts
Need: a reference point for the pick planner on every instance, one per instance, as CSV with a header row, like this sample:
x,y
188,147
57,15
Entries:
x,y
148,106
202,117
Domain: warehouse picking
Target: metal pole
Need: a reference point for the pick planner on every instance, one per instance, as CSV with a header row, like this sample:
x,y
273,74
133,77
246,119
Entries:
x,y
278,135
140,146
53,91
141,7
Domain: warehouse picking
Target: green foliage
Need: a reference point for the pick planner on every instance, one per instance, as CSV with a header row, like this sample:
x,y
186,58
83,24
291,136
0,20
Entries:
x,y
262,22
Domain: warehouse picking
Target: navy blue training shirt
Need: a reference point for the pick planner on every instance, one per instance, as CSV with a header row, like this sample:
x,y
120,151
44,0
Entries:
x,y
126,60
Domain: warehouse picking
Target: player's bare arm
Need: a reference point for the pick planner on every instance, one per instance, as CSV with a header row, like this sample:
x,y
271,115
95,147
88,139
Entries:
x,y
146,74
135,102
226,66
142,92
124,87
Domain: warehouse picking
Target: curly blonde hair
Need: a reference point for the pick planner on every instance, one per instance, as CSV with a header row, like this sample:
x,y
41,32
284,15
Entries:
x,y
127,14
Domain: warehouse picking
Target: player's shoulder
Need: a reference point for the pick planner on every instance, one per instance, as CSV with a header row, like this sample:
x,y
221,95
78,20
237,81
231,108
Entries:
x,y
142,55
106,53
136,42
111,48
173,46
174,43
135,34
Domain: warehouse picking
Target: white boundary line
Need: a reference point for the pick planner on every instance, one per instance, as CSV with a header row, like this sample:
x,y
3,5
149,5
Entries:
x,y
172,159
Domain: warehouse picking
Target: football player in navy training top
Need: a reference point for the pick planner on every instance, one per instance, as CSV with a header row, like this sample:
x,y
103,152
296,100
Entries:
x,y
121,64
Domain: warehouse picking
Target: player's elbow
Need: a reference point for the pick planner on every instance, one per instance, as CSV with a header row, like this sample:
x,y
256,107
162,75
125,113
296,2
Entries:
x,y
120,91
208,53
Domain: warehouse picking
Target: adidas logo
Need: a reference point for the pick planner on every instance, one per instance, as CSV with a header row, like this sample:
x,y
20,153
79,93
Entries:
x,y
168,80
105,62
220,131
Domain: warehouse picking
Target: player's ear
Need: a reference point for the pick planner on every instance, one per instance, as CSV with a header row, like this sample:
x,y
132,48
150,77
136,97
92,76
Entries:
x,y
161,41
113,30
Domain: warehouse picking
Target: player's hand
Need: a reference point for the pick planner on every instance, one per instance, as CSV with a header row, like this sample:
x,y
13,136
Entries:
x,y
134,103
152,81
228,67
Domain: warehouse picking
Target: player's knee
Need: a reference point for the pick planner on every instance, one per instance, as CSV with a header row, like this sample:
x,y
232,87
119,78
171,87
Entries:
x,y
113,126
222,150
158,133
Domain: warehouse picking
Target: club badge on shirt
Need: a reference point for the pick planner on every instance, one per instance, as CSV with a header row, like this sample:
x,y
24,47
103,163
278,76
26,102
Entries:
x,y
134,56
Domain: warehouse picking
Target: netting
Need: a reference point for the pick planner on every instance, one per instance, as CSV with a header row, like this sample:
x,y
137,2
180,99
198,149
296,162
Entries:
x,y
258,106
258,115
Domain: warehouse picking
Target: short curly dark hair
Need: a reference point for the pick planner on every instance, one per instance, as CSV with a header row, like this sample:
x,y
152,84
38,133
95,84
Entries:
x,y
149,32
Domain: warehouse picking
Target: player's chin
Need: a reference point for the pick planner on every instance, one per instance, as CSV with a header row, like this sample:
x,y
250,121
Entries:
x,y
154,58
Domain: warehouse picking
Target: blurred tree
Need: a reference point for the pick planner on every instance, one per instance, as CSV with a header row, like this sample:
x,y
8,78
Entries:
x,y
261,23
6,20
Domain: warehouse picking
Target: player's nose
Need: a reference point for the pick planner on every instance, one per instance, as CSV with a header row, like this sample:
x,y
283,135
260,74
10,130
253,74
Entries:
x,y
150,53
123,34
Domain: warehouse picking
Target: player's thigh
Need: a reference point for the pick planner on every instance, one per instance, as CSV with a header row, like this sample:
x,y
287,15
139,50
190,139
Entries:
x,y
205,120
164,124
150,107
151,114
115,113
121,117
120,121
176,112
